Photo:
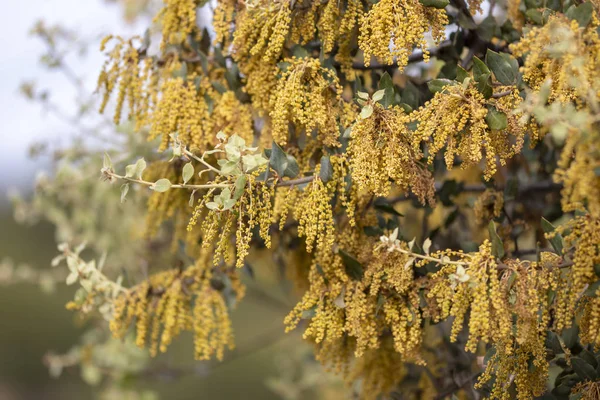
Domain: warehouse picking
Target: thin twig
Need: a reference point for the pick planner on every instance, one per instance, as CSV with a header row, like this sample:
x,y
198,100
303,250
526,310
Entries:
x,y
173,186
298,181
502,94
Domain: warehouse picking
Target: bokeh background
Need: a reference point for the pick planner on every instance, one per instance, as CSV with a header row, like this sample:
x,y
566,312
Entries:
x,y
33,322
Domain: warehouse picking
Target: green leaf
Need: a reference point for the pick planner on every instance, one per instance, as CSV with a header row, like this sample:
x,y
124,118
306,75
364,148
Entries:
x,y
292,169
278,160
466,22
232,76
229,167
378,95
196,46
489,354
514,64
439,4
387,84
563,390
588,357
373,231
161,185
487,28
181,72
407,109
106,162
299,52
219,58
535,16
501,67
480,69
211,205
353,268
497,245
496,119
136,170
253,161
223,196
437,85
326,172
570,335
411,95
461,74
240,186
228,204
219,87
124,190
485,85
129,170
583,369
581,13
557,240
310,313
553,343
283,65
366,111
449,189
187,172
592,289
221,136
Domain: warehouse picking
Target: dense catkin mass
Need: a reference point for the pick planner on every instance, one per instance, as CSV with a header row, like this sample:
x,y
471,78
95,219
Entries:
x,y
253,211
493,298
136,85
171,302
179,110
332,22
315,217
563,53
381,153
455,121
403,23
303,135
308,96
178,19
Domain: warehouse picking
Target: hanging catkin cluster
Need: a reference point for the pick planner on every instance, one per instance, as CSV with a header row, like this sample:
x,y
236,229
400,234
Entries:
x,y
170,303
381,152
455,121
296,132
403,23
308,96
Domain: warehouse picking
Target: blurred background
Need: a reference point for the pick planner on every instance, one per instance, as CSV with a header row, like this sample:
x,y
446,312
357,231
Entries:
x,y
44,91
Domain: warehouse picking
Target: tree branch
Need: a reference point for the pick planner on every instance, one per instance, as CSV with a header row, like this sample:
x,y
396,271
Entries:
x,y
543,186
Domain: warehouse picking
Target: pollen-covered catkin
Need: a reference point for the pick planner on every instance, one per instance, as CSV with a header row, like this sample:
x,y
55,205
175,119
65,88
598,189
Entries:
x,y
404,24
455,121
381,152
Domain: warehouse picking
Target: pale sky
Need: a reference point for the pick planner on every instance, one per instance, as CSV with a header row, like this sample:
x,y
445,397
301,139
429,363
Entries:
x,y
22,122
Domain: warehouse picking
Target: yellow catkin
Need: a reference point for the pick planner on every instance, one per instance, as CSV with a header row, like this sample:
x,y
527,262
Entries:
x,y
565,53
178,19
454,120
174,301
381,153
402,22
309,97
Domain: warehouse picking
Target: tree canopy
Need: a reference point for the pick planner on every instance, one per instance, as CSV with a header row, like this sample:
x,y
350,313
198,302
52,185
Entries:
x,y
426,174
